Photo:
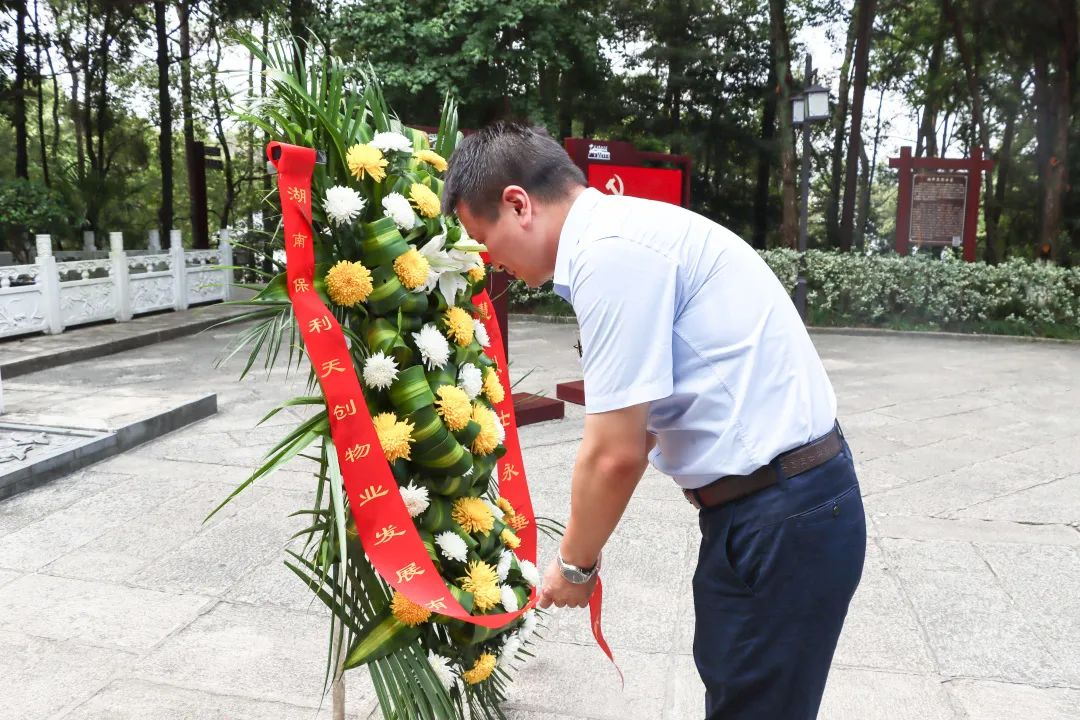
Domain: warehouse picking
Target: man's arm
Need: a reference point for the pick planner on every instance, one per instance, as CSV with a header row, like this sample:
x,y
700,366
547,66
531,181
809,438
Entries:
x,y
609,465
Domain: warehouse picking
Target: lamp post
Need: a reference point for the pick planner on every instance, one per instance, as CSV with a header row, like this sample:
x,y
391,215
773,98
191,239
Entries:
x,y
809,107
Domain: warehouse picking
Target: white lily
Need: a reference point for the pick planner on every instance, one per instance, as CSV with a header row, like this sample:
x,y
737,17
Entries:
x,y
448,266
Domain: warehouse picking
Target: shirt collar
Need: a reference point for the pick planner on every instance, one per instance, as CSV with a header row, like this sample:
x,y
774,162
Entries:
x,y
576,221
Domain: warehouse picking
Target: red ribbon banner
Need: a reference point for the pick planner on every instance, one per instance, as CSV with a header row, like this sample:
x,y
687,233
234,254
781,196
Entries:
x,y
386,530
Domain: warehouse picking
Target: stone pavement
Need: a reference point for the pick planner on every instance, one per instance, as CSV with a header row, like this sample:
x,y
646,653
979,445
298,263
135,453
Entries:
x,y
117,601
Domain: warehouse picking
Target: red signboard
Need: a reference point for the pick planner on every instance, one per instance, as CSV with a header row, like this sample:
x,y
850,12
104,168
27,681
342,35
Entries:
x,y
643,182
618,168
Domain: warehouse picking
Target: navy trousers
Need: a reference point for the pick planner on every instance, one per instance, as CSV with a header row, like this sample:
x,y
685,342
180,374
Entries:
x,y
775,574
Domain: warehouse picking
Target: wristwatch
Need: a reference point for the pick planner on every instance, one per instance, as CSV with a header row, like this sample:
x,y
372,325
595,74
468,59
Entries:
x,y
576,575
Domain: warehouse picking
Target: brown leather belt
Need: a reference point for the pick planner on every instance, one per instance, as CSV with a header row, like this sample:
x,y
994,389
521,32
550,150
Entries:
x,y
792,463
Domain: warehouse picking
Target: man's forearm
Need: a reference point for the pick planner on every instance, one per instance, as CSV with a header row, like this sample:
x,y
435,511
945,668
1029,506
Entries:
x,y
603,483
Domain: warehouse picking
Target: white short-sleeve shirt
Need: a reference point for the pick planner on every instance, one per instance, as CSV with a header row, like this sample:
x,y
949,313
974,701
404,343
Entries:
x,y
679,312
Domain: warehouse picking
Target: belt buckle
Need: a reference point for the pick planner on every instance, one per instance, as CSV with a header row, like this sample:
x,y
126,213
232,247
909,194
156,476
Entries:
x,y
692,496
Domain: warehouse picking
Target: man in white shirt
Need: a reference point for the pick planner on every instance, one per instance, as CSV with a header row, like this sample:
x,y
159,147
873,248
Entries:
x,y
694,359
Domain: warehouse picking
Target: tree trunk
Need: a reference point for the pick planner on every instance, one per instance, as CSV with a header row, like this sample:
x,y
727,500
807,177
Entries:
x,y
971,74
251,144
298,16
55,104
778,25
927,138
839,119
1004,161
184,9
22,151
863,210
268,204
862,56
40,98
566,104
103,121
766,153
165,134
219,126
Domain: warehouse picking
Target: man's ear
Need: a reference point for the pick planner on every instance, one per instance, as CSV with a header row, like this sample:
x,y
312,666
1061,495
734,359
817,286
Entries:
x,y
517,198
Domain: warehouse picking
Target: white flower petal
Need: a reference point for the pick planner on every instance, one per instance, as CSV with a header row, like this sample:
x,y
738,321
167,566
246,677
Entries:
x,y
509,599
342,204
416,499
433,346
450,284
452,546
528,627
480,333
391,142
510,649
471,380
441,667
503,568
397,207
495,509
529,572
380,371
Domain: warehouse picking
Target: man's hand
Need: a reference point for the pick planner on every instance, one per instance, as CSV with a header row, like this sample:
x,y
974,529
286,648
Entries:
x,y
560,593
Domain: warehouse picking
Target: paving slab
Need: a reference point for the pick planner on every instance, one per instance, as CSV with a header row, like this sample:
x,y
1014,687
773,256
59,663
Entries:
x,y
1008,701
967,454
94,613
44,677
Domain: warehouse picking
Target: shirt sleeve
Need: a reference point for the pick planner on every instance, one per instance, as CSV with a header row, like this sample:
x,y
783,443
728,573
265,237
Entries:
x,y
624,295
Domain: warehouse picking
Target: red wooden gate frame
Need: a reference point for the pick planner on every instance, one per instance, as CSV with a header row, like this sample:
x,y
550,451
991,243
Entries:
x,y
907,165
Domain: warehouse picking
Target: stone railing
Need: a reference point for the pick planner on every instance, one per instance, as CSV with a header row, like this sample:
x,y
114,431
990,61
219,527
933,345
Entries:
x,y
51,295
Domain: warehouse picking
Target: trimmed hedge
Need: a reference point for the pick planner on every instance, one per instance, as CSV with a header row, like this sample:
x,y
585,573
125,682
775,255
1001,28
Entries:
x,y
920,292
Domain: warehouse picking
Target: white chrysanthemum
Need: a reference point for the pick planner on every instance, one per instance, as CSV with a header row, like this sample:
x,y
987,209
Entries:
x,y
416,499
509,651
480,333
391,142
471,380
433,346
528,627
441,667
529,572
342,204
509,599
396,206
503,568
452,546
495,509
380,371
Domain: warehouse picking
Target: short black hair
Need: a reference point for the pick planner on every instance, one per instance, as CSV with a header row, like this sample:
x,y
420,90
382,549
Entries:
x,y
503,154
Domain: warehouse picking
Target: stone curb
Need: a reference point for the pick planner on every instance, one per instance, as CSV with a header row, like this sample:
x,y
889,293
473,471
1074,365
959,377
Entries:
x,y
854,331
91,350
102,445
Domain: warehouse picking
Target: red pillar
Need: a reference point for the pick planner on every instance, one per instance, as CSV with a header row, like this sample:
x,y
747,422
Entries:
x,y
903,199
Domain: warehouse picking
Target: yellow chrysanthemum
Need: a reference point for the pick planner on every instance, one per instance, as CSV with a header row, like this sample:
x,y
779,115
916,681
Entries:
x,y
476,274
407,612
481,671
395,436
459,326
454,407
473,515
504,505
433,159
483,582
488,438
348,283
425,200
517,521
412,269
364,159
509,539
492,387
